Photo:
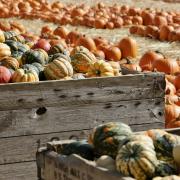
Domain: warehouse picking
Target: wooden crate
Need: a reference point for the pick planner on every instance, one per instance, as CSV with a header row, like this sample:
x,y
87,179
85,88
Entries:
x,y
54,166
33,113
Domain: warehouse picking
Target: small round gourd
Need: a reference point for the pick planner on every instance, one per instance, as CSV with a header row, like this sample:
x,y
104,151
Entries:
x,y
81,59
36,55
59,68
22,75
106,162
10,62
4,50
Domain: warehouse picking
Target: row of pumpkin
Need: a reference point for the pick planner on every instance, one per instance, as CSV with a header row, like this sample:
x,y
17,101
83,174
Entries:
x,y
153,154
98,16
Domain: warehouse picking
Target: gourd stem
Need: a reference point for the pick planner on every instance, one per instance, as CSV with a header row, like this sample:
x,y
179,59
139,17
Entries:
x,y
128,60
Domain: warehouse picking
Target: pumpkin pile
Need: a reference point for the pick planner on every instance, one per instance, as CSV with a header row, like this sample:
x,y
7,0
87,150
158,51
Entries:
x,y
156,61
163,33
98,16
153,154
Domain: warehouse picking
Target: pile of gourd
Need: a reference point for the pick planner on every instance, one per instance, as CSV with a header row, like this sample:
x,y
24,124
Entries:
x,y
30,58
144,155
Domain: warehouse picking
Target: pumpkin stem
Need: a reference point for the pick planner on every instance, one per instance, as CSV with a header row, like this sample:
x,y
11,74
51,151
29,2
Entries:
x,y
159,52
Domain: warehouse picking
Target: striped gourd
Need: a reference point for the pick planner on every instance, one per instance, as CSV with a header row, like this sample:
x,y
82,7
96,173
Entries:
x,y
81,59
106,137
59,68
137,158
23,75
9,62
36,55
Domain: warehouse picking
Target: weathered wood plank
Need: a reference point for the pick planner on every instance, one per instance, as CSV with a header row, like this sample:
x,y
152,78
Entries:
x,y
23,148
78,117
53,93
19,171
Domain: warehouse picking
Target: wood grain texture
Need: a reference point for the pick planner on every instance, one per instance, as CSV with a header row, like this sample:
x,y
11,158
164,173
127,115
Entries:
x,y
12,149
78,117
95,90
74,167
23,148
19,171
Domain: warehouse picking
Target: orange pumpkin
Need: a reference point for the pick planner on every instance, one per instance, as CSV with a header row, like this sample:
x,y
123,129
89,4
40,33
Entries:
x,y
164,32
128,47
170,78
160,21
132,66
152,31
73,36
113,53
170,88
172,111
148,58
175,99
100,40
177,82
174,123
61,31
86,42
168,66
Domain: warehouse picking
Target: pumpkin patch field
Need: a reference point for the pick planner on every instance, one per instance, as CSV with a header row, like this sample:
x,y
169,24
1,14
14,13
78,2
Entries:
x,y
69,66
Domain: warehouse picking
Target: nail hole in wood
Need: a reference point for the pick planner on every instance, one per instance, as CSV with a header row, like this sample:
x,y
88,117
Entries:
x,y
20,100
57,90
90,93
77,96
63,96
41,111
107,107
157,103
160,113
118,92
40,99
137,103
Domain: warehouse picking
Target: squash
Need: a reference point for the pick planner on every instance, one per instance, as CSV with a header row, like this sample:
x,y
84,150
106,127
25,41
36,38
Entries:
x,y
58,48
137,158
18,38
106,162
128,47
4,50
34,66
82,59
9,62
165,169
17,48
116,67
106,138
22,75
42,44
164,142
101,69
5,75
10,34
78,76
81,148
64,55
59,68
36,55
